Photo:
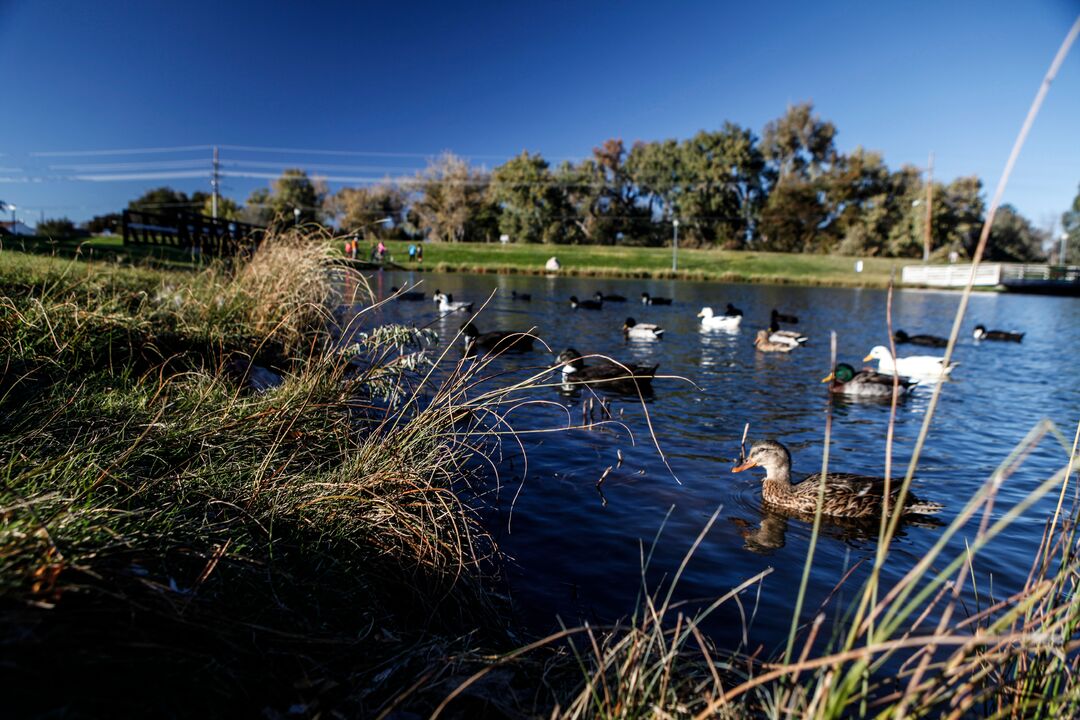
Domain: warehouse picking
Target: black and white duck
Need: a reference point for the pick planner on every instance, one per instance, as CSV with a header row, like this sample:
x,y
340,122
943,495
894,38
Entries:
x,y
778,317
847,495
605,374
497,341
406,295
845,380
586,304
633,330
447,303
981,333
902,337
647,299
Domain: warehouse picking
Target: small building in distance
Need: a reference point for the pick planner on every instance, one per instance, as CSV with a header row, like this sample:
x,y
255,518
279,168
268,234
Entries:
x,y
17,227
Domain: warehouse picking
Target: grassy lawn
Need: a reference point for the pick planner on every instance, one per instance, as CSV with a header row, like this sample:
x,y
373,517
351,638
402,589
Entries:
x,y
725,265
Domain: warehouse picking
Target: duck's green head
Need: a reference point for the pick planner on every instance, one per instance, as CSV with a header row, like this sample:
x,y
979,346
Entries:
x,y
842,373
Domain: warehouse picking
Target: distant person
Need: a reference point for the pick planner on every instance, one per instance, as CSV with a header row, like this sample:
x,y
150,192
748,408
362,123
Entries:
x,y
382,251
374,254
355,246
348,248
412,252
420,254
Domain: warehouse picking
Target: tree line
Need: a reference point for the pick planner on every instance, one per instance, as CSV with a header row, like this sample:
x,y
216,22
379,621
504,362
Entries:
x,y
789,190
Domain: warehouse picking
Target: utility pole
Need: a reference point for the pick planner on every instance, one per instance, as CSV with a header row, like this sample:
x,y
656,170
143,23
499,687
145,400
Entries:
x,y
929,206
214,184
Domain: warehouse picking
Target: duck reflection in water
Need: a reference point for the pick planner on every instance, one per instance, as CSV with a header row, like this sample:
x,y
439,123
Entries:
x,y
770,534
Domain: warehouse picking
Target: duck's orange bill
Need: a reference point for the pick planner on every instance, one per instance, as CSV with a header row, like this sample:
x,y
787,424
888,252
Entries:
x,y
868,358
829,378
745,466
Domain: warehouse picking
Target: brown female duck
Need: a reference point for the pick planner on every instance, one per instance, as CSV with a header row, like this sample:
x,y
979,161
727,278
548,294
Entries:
x,y
846,495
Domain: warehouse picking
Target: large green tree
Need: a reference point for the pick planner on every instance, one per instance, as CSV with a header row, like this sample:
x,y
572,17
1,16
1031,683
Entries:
x,y
533,206
1014,239
294,190
722,186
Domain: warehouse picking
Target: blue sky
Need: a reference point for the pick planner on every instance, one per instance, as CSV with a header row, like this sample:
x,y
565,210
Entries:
x,y
397,83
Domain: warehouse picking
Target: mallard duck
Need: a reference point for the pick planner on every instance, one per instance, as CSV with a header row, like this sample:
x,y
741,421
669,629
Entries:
x,y
924,367
497,341
786,337
586,304
647,299
709,321
981,333
605,374
846,495
408,296
525,297
866,383
778,317
902,337
447,304
764,344
608,298
732,311
634,330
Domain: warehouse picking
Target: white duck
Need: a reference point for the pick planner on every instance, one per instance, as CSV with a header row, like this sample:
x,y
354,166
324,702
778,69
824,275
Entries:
x,y
709,321
634,330
447,304
927,367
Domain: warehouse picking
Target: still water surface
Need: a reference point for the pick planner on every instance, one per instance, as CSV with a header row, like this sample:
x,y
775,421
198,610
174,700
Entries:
x,y
578,554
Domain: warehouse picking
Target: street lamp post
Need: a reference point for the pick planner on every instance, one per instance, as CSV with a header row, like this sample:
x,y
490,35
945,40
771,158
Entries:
x,y
675,245
1064,246
296,214
12,209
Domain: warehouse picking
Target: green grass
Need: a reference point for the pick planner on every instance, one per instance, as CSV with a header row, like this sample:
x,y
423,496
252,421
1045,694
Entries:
x,y
621,261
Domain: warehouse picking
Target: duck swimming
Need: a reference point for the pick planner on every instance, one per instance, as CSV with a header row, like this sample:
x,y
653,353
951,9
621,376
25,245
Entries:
x,y
498,341
764,344
407,296
647,299
925,367
846,495
845,380
525,297
608,298
586,304
709,321
981,333
447,305
606,374
786,337
902,337
634,330
732,311
778,317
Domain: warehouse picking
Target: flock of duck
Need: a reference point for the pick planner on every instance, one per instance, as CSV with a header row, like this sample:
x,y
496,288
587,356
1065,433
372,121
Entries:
x,y
846,495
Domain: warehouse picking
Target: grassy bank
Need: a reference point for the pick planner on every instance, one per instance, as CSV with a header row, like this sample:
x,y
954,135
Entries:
x,y
638,262
179,540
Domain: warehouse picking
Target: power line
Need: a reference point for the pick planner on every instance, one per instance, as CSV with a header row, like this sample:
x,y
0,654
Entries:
x,y
121,151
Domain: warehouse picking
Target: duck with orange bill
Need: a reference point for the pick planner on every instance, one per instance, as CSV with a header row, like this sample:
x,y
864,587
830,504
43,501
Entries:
x,y
846,495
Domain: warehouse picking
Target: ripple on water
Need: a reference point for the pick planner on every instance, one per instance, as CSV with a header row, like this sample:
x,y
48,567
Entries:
x,y
578,551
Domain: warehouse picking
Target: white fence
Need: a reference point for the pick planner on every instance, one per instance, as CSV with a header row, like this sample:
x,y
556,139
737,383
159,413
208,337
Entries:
x,y
950,275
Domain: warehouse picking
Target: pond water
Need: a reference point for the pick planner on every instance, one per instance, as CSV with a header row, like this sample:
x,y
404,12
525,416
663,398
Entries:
x,y
577,554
